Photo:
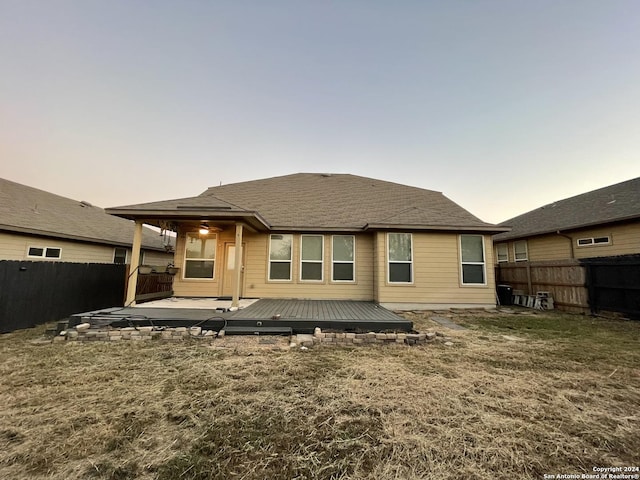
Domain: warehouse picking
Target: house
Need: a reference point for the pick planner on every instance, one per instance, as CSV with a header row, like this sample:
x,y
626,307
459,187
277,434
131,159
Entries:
x,y
603,222
326,236
41,226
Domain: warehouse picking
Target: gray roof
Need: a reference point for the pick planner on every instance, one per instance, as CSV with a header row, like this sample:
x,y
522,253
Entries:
x,y
307,201
25,209
616,203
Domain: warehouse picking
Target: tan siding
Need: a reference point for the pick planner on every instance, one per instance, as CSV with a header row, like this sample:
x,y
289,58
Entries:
x,y
152,257
200,288
437,274
15,247
548,247
436,267
625,239
256,272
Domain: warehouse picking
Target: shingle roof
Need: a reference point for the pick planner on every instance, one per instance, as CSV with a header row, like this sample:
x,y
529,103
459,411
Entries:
x,y
330,201
29,210
614,203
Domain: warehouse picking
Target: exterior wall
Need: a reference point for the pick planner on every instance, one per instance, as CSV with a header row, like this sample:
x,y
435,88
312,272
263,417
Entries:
x,y
437,281
625,239
195,287
255,282
16,247
437,273
153,257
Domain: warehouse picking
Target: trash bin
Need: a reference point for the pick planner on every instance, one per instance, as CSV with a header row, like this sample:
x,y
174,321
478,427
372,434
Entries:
x,y
505,294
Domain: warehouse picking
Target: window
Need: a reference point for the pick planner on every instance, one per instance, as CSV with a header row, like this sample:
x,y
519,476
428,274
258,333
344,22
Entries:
x,y
44,252
502,252
472,259
199,256
583,242
311,263
280,257
520,251
343,258
400,258
119,255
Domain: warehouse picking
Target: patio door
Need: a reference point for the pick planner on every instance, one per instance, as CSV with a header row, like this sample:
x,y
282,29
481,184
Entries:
x,y
229,270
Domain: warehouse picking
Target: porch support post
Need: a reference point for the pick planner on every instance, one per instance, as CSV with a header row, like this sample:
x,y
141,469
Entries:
x,y
237,264
135,263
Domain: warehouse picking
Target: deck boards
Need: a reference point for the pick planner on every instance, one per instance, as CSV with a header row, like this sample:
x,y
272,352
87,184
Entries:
x,y
267,308
302,316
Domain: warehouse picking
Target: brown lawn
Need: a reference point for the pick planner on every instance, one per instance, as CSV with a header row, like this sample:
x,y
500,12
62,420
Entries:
x,y
517,396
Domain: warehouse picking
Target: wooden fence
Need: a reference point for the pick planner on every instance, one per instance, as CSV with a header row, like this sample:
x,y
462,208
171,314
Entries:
x,y
592,285
614,284
565,280
32,293
152,286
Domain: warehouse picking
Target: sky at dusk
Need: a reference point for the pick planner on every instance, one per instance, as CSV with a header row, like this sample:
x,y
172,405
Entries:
x,y
503,106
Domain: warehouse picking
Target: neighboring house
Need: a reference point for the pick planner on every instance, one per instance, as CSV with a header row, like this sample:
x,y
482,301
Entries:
x,y
327,236
603,222
37,225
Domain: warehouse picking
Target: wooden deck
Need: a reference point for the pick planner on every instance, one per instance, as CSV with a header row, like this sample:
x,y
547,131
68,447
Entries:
x,y
336,310
302,316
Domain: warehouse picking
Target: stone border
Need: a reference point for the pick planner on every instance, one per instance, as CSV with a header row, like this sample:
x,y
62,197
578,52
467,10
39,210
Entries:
x,y
84,333
340,338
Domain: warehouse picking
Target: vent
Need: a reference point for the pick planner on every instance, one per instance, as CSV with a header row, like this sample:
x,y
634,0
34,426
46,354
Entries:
x,y
84,203
201,207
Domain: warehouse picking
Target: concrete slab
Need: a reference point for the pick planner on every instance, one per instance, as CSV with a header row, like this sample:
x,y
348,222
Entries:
x,y
445,322
189,302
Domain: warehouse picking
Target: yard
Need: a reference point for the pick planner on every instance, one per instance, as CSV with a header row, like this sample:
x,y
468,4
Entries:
x,y
517,396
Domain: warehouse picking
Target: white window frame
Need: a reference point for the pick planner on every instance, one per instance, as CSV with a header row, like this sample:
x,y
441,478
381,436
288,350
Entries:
x,y
592,241
526,251
290,261
483,263
44,252
352,262
506,252
185,260
126,254
410,262
321,261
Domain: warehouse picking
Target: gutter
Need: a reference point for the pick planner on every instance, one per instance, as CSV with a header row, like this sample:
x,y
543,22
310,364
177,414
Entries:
x,y
611,221
75,238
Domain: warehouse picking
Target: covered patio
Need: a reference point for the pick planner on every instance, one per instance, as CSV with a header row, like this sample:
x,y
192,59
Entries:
x,y
255,316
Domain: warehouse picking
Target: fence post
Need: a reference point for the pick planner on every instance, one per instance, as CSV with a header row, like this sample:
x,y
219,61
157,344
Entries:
x,y
591,288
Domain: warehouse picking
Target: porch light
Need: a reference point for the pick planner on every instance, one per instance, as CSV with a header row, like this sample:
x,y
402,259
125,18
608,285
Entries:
x,y
204,228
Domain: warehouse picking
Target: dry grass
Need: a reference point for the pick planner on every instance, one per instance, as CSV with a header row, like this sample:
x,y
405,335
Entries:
x,y
562,399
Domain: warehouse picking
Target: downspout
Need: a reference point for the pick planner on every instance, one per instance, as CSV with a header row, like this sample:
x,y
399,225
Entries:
x,y
237,265
570,243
